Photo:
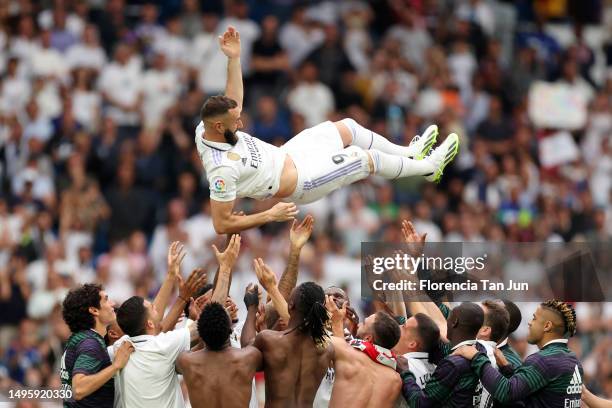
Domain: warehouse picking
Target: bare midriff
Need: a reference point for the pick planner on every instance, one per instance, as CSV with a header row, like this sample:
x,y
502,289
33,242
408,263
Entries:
x,y
289,178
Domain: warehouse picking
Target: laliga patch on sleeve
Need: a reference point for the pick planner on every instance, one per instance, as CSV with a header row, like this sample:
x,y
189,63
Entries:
x,y
218,185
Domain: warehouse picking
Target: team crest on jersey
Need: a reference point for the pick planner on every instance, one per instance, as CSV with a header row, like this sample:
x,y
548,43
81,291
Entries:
x,y
219,185
233,156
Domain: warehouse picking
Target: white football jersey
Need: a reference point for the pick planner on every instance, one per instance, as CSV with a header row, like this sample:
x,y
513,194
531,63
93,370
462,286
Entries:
x,y
251,168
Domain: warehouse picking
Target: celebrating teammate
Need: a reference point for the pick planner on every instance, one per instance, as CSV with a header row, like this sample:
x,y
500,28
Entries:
x,y
312,164
551,377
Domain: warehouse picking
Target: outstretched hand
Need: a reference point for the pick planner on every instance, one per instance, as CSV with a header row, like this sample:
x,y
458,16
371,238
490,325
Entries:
x,y
176,254
195,282
230,43
336,314
265,276
228,257
300,233
415,241
251,296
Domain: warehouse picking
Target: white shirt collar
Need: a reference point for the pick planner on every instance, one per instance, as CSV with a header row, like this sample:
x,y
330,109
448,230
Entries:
x,y
417,354
217,145
464,343
489,342
560,341
503,343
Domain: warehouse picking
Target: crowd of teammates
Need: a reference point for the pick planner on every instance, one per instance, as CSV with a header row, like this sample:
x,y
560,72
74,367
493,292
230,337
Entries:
x,y
89,194
311,345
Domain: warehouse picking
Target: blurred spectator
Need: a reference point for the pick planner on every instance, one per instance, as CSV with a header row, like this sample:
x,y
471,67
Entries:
x,y
310,97
120,84
299,37
207,60
269,62
270,124
496,130
16,89
172,44
191,23
88,53
330,59
47,61
131,207
237,16
160,90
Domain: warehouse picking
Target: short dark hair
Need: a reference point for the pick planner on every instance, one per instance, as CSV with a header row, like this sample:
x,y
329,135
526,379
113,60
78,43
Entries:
x,y
497,318
515,316
217,105
428,331
386,330
470,317
214,326
132,316
75,308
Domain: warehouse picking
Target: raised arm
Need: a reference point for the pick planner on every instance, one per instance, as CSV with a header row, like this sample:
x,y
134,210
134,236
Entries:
x,y
196,280
525,380
175,257
268,281
230,45
416,242
84,385
251,301
226,261
226,222
298,236
337,316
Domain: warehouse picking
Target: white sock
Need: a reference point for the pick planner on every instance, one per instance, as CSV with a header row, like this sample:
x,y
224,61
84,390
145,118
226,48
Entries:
x,y
366,139
391,167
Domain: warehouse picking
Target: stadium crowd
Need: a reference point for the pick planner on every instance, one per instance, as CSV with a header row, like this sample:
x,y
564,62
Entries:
x,y
99,173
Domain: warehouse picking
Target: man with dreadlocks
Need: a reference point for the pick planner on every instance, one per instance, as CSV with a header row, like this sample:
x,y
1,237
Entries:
x,y
551,377
295,360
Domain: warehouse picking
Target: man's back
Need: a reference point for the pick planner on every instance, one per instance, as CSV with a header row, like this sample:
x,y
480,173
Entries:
x,y
361,382
294,367
150,376
220,378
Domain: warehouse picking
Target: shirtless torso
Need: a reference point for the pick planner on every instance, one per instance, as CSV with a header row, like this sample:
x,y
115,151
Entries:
x,y
220,378
360,382
293,367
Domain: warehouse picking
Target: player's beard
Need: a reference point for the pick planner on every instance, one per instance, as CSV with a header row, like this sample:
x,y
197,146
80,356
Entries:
x,y
230,137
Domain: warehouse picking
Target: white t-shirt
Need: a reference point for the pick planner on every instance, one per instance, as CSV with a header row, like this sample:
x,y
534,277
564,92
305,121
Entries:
x,y
251,168
149,378
83,55
123,84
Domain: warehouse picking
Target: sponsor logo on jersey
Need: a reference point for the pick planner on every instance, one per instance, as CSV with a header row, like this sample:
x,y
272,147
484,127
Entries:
x,y
219,185
253,152
233,156
575,386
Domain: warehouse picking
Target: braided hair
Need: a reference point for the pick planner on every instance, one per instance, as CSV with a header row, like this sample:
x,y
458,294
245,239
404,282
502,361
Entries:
x,y
567,313
310,303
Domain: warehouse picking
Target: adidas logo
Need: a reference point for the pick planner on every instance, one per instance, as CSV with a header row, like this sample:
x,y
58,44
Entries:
x,y
575,386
